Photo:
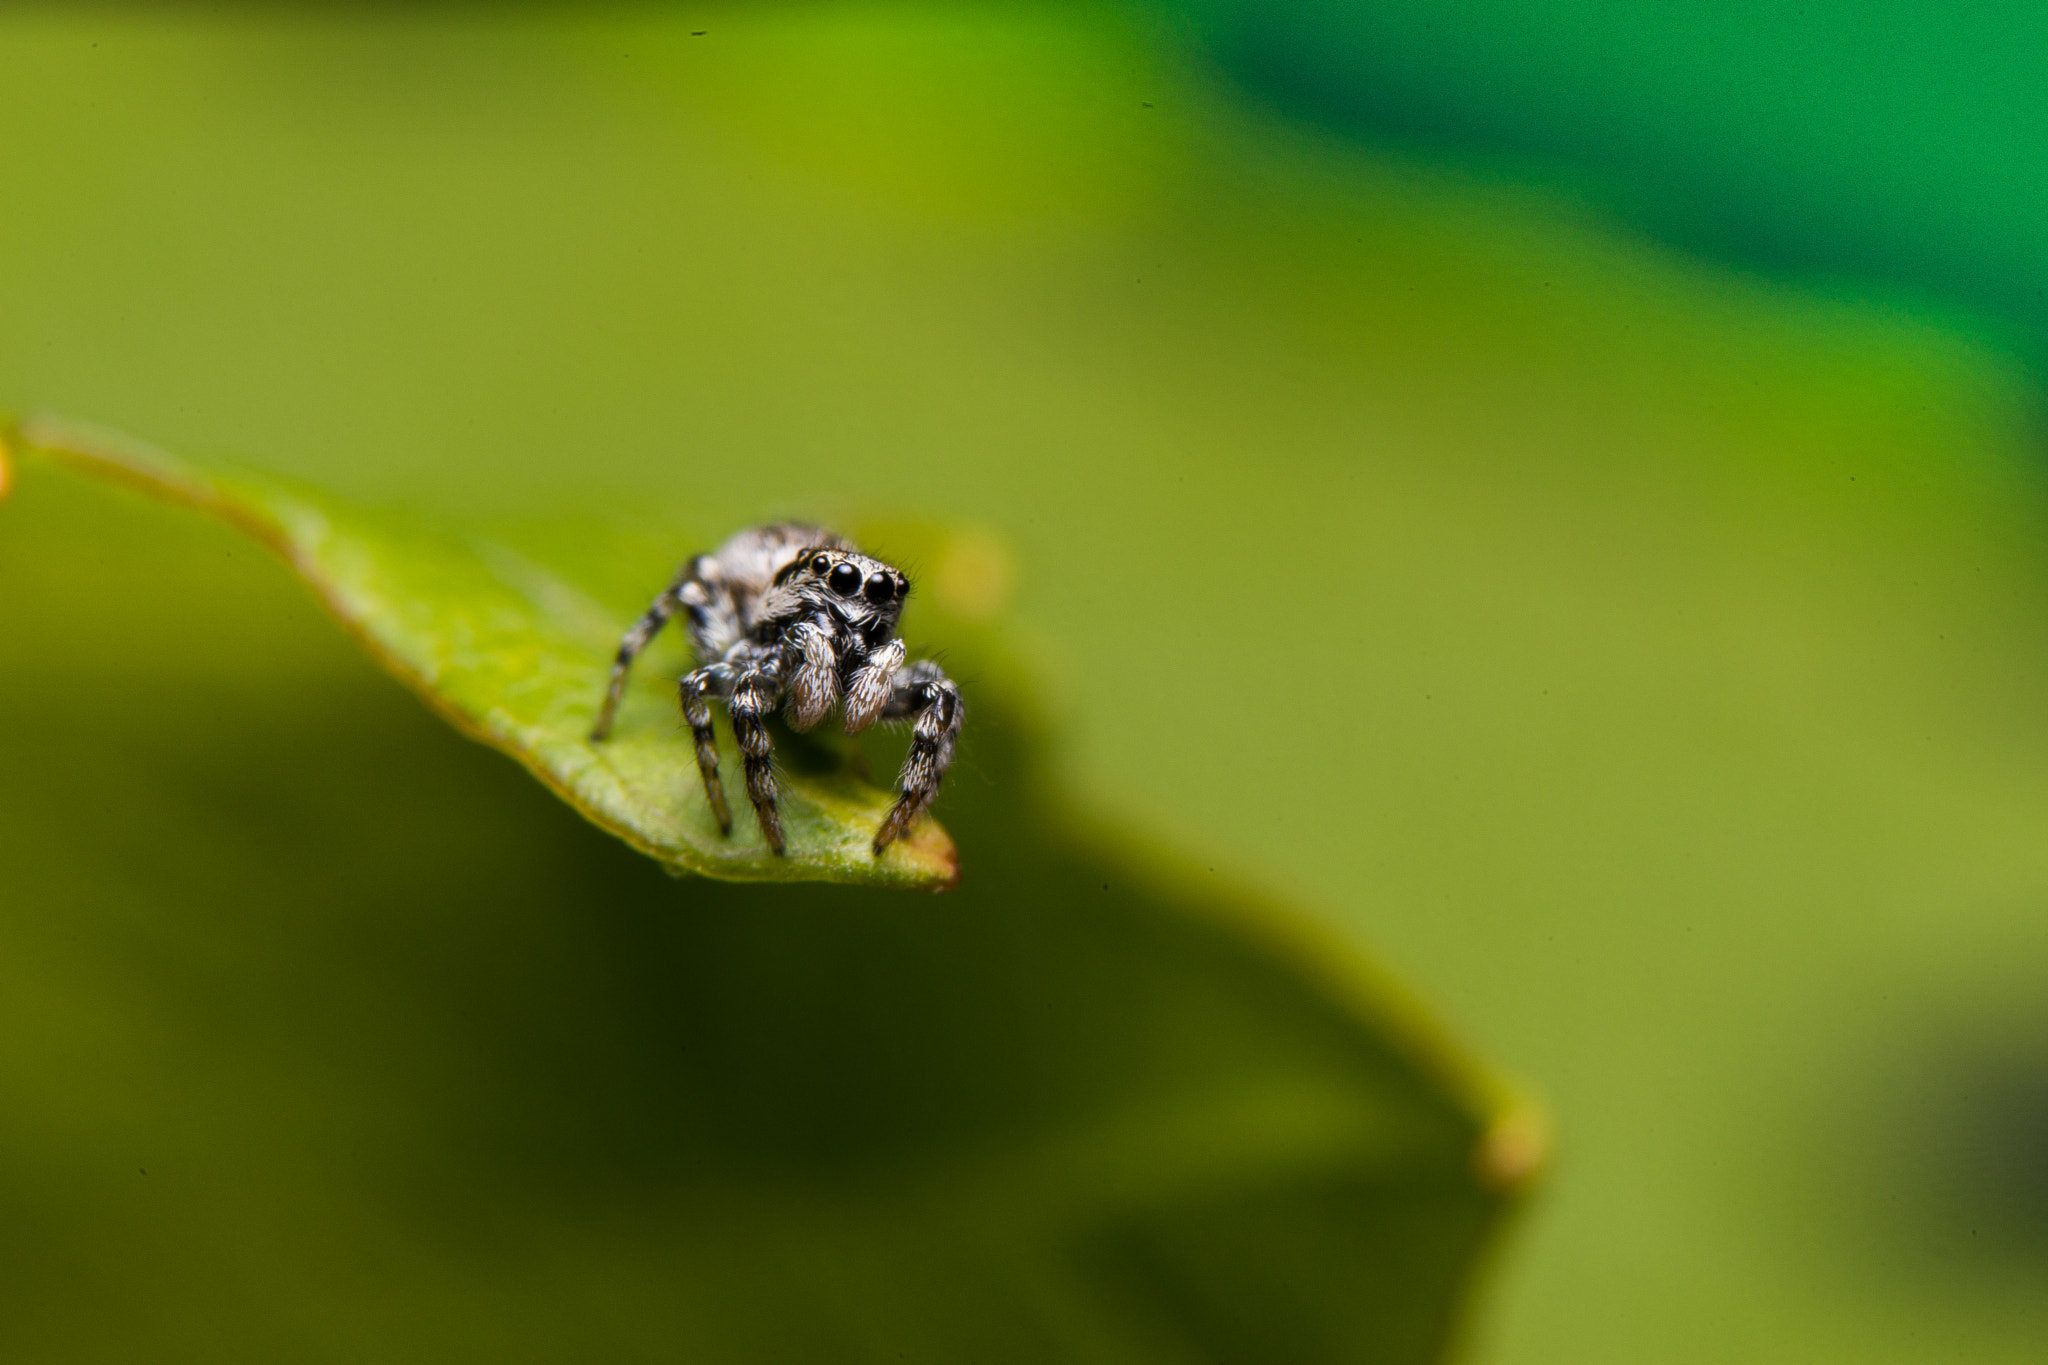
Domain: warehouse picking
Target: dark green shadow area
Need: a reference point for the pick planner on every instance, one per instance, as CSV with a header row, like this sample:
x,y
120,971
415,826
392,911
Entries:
x,y
1953,1133
325,1034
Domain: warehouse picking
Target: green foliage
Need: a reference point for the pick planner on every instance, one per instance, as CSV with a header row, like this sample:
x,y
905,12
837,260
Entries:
x,y
330,1034
1894,144
1667,639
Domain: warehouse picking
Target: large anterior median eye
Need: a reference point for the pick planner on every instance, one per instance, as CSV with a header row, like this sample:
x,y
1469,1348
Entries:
x,y
879,590
845,580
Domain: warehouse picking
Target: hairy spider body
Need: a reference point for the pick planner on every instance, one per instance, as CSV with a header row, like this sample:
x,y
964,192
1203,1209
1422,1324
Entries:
x,y
794,615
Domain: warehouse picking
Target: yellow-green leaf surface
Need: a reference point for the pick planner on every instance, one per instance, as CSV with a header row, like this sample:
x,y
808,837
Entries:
x,y
518,658
324,1034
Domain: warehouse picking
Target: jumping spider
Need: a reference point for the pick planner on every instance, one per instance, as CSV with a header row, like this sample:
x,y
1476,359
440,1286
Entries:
x,y
794,613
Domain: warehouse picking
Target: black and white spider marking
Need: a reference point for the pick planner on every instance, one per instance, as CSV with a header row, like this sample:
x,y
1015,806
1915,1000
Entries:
x,y
793,613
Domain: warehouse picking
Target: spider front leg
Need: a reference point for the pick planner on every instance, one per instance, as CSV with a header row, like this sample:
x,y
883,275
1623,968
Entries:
x,y
869,689
923,690
755,694
812,690
700,596
713,680
644,630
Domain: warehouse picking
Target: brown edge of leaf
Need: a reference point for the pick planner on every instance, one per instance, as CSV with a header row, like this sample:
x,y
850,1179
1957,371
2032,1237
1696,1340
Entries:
x,y
119,459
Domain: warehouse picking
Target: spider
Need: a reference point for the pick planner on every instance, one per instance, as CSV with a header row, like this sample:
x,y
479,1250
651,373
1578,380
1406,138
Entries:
x,y
789,612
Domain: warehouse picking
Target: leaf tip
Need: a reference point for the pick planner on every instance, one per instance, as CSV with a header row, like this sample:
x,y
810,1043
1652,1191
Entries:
x,y
1514,1149
933,856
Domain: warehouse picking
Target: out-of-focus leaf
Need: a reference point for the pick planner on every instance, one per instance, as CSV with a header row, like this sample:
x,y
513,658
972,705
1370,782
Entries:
x,y
308,1008
516,657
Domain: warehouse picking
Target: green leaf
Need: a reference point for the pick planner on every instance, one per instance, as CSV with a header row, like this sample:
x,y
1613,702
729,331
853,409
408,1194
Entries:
x,y
430,1070
1096,1105
516,657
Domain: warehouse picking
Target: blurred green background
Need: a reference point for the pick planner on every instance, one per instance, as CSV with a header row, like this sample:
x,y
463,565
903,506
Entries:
x,y
1557,492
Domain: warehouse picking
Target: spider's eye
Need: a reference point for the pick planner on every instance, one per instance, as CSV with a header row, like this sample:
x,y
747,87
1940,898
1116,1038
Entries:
x,y
820,564
879,590
845,580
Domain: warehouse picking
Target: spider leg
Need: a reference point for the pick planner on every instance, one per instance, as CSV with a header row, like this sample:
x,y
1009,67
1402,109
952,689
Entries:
x,y
643,631
871,686
925,692
700,594
755,694
817,677
713,680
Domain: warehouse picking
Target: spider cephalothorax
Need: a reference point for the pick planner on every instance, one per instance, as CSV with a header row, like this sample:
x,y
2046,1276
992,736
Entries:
x,y
794,614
